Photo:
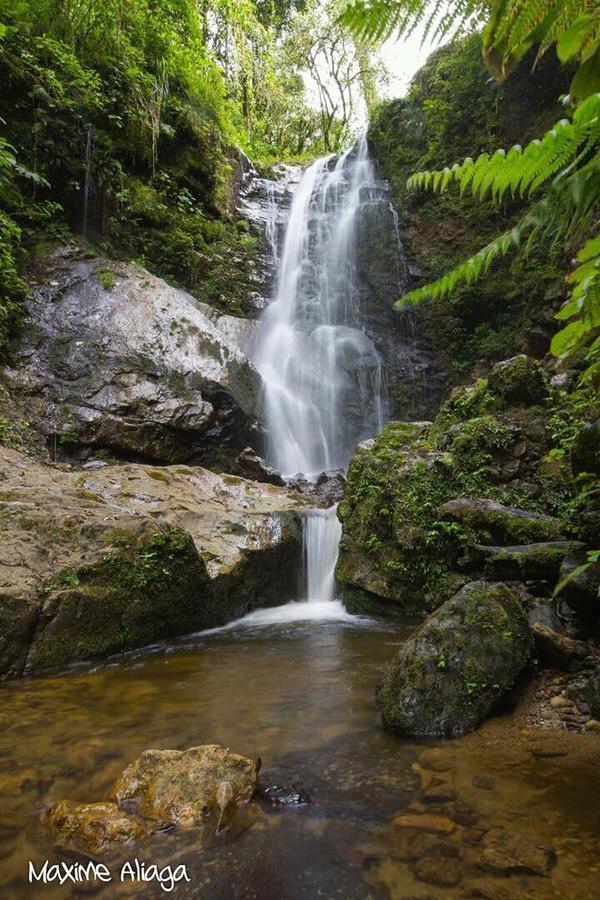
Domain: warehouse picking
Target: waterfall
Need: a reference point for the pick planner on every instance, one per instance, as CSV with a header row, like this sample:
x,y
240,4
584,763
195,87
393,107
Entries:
x,y
323,381
323,384
320,538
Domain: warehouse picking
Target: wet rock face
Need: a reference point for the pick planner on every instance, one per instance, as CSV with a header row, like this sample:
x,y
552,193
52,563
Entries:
x,y
447,677
114,357
184,787
125,555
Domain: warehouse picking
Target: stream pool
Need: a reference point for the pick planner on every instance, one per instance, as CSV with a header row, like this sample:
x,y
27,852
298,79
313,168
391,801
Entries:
x,y
299,694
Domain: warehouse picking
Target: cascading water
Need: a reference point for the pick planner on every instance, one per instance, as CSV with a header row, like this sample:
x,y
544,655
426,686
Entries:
x,y
320,539
323,382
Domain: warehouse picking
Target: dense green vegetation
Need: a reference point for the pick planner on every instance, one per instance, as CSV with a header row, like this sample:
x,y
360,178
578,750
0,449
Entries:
x,y
121,121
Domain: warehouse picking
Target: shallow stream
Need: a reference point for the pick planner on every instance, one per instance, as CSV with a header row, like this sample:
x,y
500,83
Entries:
x,y
299,695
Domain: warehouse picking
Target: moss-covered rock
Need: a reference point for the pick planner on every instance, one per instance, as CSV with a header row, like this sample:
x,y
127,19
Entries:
x,y
390,545
182,787
92,827
449,675
149,587
526,561
115,558
502,523
519,380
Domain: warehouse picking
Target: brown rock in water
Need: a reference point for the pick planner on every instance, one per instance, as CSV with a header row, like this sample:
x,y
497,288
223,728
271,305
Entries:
x,y
426,845
93,827
492,889
442,871
182,787
436,824
504,851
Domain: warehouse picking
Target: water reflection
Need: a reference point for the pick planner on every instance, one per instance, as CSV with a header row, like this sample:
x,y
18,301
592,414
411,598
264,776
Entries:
x,y
300,696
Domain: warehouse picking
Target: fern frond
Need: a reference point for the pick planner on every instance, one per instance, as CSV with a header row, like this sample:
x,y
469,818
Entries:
x,y
583,307
467,272
567,205
522,171
377,20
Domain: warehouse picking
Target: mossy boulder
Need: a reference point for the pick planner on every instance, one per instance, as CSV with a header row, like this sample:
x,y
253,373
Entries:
x,y
449,675
519,380
502,523
92,827
526,561
96,562
390,545
146,588
183,787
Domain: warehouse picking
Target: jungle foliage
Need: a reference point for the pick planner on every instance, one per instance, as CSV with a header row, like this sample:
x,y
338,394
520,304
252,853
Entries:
x,y
121,119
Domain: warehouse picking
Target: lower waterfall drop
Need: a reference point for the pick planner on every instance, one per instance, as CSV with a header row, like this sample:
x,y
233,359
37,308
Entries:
x,y
321,533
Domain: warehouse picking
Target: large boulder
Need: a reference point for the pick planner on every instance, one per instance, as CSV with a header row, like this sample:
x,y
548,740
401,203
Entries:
x,y
112,356
96,562
183,787
448,676
395,484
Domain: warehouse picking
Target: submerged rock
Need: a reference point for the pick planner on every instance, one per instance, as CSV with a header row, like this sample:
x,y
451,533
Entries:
x,y
184,787
443,871
447,677
113,357
99,562
504,851
92,827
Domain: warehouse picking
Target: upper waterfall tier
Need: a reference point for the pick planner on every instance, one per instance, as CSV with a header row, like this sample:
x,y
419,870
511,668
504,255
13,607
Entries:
x,y
324,387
